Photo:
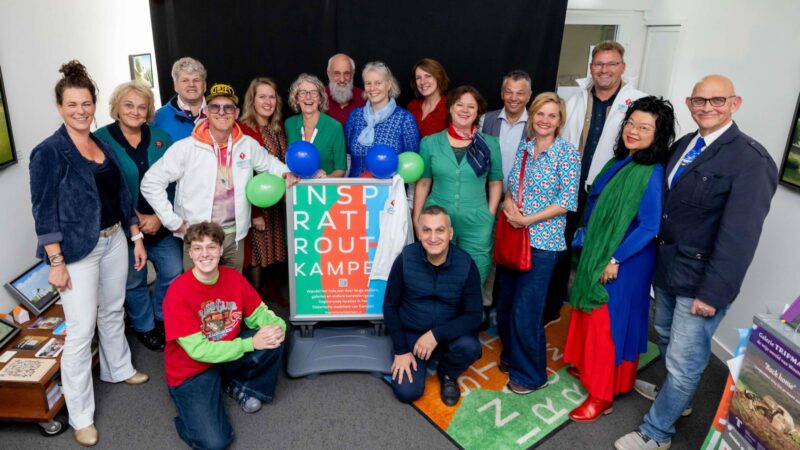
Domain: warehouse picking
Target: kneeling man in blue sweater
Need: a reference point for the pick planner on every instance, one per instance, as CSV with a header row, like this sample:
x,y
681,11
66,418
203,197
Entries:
x,y
433,308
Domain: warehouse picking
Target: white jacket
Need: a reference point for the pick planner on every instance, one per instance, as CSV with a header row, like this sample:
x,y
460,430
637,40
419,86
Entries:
x,y
193,165
396,231
576,115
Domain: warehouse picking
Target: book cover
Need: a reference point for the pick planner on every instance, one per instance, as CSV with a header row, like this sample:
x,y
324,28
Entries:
x,y
51,349
46,323
26,369
30,342
60,330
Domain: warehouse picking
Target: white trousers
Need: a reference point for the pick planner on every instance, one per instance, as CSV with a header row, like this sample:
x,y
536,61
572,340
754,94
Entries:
x,y
97,298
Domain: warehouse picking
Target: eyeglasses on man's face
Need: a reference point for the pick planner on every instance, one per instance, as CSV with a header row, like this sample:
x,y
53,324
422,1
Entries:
x,y
608,65
699,102
216,108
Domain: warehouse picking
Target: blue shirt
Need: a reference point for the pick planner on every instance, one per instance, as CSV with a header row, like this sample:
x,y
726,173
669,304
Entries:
x,y
398,131
551,179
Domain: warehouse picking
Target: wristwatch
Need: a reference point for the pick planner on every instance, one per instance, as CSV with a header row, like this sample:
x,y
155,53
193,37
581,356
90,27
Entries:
x,y
614,261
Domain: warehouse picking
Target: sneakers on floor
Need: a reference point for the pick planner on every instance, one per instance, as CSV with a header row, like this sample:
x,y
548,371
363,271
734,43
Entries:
x,y
636,440
247,403
650,391
449,391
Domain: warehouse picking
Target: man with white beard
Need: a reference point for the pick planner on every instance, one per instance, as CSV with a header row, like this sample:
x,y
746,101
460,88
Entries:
x,y
343,97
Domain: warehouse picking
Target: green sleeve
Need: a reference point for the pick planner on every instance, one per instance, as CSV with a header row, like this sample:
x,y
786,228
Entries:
x,y
263,316
425,153
291,129
339,152
199,348
496,170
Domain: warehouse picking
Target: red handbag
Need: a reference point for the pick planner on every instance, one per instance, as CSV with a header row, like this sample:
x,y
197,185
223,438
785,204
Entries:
x,y
512,246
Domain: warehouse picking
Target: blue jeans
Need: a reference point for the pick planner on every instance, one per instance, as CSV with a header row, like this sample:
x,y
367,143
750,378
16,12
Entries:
x,y
520,308
685,343
455,357
143,308
201,421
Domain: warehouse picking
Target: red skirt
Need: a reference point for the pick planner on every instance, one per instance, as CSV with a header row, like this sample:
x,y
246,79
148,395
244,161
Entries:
x,y
590,348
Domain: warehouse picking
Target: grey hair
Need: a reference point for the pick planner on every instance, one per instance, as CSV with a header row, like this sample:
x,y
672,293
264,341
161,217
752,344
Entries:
x,y
382,70
516,75
323,99
189,65
330,62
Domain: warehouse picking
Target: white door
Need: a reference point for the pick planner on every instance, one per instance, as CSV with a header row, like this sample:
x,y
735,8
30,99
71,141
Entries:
x,y
659,56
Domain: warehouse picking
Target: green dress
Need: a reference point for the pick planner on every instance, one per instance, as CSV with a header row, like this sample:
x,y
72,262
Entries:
x,y
328,138
456,188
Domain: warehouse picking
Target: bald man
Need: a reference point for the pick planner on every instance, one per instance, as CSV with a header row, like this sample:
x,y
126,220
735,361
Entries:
x,y
719,186
343,97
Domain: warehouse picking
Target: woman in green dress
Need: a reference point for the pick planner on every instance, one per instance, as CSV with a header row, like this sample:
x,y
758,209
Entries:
x,y
459,164
307,97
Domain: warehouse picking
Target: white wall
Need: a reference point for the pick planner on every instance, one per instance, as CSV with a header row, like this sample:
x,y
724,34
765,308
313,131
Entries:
x,y
755,44
36,37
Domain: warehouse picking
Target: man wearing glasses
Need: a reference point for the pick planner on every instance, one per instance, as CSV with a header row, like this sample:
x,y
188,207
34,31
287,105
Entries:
x,y
720,183
593,123
211,168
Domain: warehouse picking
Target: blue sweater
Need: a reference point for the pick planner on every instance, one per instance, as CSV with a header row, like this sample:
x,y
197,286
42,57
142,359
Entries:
x,y
171,119
445,299
398,131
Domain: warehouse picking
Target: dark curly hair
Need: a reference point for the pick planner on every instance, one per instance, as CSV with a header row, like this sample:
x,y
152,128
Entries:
x,y
75,76
664,133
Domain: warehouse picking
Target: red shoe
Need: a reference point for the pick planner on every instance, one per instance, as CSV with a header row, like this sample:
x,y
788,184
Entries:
x,y
572,370
591,410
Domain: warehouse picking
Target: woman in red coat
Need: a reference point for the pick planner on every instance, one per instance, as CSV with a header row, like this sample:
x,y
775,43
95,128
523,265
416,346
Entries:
x,y
429,82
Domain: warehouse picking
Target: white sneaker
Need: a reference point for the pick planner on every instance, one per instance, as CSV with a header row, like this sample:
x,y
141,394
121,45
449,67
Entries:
x,y
650,391
636,440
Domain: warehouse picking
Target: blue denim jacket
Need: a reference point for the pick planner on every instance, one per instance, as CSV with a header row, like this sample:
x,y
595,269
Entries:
x,y
66,205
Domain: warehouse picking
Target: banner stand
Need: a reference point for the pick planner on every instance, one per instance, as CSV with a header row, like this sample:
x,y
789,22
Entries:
x,y
329,348
333,230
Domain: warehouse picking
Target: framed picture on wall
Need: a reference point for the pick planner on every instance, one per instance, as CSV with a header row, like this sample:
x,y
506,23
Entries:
x,y
8,154
141,66
790,167
33,290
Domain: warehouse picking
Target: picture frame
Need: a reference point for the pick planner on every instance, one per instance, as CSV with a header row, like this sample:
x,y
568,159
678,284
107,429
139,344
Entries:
x,y
33,290
141,67
8,330
790,166
8,153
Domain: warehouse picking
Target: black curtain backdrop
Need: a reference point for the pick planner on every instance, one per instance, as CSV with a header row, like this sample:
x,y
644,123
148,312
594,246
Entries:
x,y
476,41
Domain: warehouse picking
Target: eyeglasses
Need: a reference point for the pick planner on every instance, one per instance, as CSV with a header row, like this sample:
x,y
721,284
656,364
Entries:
x,y
610,65
699,102
641,128
216,108
312,94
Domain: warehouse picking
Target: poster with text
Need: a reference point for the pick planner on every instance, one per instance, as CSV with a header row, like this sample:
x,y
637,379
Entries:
x,y
333,232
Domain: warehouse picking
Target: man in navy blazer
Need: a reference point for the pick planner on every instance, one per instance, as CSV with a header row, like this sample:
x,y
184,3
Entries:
x,y
720,183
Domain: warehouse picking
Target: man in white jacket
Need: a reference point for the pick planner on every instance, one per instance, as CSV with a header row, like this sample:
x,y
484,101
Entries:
x,y
594,117
212,168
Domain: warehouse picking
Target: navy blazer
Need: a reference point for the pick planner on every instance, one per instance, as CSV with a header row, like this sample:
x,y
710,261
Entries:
x,y
713,216
66,205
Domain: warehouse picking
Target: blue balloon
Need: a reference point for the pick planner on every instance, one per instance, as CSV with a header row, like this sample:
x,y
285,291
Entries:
x,y
382,161
302,158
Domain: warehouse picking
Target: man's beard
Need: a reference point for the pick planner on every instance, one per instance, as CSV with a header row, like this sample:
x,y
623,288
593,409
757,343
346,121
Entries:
x,y
341,94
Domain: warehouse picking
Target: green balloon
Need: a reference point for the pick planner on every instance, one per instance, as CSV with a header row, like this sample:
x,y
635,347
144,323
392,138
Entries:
x,y
265,190
410,166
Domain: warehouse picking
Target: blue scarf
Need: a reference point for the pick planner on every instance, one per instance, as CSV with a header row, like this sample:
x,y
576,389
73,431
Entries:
x,y
367,135
478,155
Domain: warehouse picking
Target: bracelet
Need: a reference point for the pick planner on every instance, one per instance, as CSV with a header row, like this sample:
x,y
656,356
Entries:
x,y
614,261
57,263
137,236
54,256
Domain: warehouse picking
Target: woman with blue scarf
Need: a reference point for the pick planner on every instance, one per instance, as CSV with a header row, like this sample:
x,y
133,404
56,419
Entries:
x,y
460,162
611,294
380,121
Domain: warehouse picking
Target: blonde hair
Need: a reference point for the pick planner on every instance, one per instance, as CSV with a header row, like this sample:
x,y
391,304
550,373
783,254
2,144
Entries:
x,y
382,70
609,46
249,107
124,89
541,100
188,65
323,98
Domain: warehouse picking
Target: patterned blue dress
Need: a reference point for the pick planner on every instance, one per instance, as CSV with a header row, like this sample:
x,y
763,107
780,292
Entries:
x,y
398,131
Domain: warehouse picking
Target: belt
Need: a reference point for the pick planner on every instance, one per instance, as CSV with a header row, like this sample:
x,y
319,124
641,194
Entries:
x,y
108,232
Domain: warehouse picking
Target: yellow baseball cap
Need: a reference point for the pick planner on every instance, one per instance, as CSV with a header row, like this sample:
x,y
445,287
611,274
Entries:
x,y
222,90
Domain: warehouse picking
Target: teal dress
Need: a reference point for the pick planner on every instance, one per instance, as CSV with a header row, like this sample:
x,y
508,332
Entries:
x,y
329,140
456,188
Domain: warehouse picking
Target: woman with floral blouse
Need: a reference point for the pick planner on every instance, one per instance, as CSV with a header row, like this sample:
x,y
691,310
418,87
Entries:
x,y
549,188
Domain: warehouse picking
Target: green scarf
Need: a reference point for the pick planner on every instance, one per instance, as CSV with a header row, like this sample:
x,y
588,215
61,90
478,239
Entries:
x,y
616,207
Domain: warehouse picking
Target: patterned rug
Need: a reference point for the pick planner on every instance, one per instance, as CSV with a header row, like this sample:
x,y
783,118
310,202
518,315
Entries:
x,y
488,416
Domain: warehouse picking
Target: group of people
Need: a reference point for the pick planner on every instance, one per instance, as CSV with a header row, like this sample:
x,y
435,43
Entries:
x,y
598,176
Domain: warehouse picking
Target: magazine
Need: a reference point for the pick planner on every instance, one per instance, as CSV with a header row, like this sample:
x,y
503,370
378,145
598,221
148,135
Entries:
x,y
51,349
60,330
30,342
46,323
